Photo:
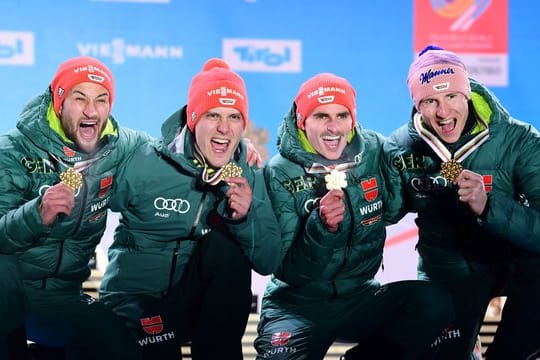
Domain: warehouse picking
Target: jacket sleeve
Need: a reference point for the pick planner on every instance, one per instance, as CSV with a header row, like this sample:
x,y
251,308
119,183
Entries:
x,y
259,234
517,217
128,152
395,206
306,243
20,221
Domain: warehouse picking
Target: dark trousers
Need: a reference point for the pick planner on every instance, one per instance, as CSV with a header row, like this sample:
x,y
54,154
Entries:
x,y
394,321
12,310
208,307
82,326
517,335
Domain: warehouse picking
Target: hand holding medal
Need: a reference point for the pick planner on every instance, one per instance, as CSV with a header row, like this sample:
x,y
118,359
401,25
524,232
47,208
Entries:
x,y
239,194
331,206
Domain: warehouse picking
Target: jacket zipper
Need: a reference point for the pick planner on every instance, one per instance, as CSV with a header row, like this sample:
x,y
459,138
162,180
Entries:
x,y
177,247
347,246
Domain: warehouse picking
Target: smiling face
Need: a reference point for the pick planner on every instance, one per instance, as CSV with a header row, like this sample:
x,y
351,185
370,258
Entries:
x,y
218,133
327,128
84,114
445,114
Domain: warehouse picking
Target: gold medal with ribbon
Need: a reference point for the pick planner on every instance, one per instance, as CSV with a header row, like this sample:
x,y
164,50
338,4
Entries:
x,y
213,177
72,176
451,166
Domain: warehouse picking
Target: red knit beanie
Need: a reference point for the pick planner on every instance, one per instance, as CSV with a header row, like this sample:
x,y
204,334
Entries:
x,y
216,86
75,71
324,88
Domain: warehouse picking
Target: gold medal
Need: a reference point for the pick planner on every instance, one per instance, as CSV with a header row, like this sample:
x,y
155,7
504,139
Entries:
x,y
231,170
71,178
450,170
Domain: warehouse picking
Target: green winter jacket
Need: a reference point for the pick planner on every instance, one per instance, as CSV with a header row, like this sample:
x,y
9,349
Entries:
x,y
448,231
31,157
319,264
166,207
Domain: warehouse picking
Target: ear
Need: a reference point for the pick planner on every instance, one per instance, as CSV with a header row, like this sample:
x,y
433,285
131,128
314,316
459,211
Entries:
x,y
299,123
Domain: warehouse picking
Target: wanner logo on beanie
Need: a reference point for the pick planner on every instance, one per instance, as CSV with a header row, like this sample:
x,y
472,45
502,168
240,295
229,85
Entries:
x,y
426,77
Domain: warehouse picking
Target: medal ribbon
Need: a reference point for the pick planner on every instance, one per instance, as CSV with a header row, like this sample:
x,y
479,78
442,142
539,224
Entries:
x,y
210,176
318,168
440,149
72,177
79,166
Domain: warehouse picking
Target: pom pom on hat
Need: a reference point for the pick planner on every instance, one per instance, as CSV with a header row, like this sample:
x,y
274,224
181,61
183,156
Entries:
x,y
321,89
216,86
78,70
436,70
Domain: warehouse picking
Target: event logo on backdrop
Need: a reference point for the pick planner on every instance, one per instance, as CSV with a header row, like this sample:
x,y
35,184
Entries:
x,y
16,48
260,55
475,29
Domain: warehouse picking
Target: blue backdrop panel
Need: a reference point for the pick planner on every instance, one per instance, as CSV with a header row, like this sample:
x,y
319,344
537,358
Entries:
x,y
155,47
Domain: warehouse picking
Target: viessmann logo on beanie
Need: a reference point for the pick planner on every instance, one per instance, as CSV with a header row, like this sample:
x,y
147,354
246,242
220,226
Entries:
x,y
216,86
436,70
321,89
78,70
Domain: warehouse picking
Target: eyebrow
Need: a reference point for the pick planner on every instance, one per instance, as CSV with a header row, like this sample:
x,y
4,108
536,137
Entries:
x,y
324,113
236,113
86,95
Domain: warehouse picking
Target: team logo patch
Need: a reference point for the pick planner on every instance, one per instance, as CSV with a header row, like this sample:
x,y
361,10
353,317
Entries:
x,y
227,101
441,87
370,188
488,182
281,338
69,152
328,99
105,185
152,325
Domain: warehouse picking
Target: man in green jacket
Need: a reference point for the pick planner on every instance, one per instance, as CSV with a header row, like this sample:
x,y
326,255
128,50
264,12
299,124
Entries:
x,y
195,220
470,172
328,191
57,168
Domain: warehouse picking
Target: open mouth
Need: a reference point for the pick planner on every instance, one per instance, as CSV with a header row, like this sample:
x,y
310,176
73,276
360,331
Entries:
x,y
219,145
88,130
331,142
447,126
